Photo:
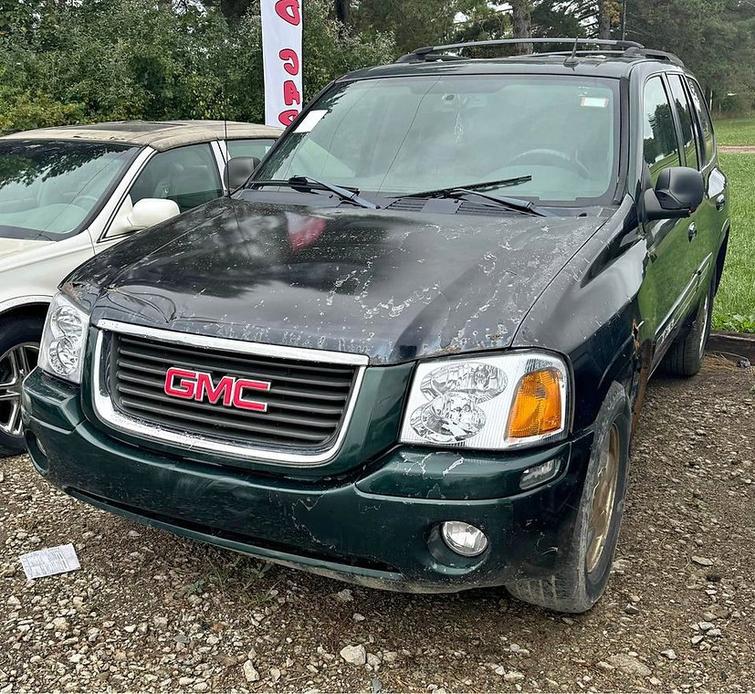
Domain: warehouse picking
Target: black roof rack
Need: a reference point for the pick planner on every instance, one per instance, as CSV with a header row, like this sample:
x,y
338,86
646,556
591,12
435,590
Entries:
x,y
627,48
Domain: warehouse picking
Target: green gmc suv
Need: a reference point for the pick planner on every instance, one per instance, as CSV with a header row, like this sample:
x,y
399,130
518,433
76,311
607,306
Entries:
x,y
411,349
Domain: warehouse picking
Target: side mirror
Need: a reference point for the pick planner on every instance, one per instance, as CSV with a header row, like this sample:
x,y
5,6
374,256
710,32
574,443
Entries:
x,y
238,170
150,211
678,192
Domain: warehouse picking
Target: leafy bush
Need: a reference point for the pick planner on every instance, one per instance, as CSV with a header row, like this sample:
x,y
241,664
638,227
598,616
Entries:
x,y
99,60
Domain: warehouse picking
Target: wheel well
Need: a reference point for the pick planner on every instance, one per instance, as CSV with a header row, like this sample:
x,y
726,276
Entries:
x,y
721,260
37,310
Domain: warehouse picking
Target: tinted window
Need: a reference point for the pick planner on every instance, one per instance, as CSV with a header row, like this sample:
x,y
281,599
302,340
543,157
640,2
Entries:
x,y
249,148
660,144
686,119
410,134
187,175
702,114
50,188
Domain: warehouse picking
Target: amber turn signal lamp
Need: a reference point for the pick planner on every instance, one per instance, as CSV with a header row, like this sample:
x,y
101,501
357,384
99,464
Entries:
x,y
537,405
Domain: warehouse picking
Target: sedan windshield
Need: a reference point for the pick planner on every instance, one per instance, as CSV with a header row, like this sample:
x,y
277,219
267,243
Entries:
x,y
398,136
48,189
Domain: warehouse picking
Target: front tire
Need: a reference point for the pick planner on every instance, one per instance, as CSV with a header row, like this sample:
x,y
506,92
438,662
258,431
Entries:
x,y
582,577
19,348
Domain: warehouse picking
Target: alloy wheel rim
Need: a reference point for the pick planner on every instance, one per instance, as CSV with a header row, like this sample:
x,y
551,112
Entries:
x,y
15,365
603,497
704,331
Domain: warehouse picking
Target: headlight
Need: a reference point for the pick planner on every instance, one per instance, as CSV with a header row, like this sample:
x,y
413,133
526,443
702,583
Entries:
x,y
64,339
493,403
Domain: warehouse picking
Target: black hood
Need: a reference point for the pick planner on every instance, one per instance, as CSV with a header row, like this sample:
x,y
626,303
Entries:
x,y
395,286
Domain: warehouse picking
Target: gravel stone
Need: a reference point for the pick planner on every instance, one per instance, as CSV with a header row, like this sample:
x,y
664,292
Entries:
x,y
354,655
250,672
629,665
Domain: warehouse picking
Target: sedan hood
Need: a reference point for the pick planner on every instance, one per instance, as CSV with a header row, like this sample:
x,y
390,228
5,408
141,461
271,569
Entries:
x,y
394,286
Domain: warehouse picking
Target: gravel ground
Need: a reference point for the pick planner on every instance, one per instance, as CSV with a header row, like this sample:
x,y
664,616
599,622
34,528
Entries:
x,y
148,611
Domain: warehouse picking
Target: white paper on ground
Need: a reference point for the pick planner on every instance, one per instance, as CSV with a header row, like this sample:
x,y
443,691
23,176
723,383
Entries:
x,y
50,561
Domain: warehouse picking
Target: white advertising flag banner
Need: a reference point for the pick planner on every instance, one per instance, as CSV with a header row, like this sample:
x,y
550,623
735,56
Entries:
x,y
281,50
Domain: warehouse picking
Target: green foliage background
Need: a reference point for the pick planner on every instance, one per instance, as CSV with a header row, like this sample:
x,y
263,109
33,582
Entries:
x,y
66,61
125,59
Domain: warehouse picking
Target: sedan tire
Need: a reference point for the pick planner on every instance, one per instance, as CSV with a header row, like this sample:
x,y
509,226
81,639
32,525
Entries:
x,y
19,348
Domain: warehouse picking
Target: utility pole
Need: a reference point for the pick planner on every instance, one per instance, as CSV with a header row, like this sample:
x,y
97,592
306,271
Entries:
x,y
624,20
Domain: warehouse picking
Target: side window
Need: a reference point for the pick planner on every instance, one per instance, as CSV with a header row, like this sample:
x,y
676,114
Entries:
x,y
702,113
249,148
684,110
187,175
660,147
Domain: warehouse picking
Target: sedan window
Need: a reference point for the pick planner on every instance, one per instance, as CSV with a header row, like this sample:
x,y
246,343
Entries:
x,y
249,148
49,189
187,175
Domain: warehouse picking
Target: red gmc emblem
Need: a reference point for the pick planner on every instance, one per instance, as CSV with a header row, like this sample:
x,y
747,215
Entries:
x,y
199,386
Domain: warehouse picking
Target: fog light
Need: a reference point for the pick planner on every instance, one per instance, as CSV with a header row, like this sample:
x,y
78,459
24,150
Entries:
x,y
533,476
464,538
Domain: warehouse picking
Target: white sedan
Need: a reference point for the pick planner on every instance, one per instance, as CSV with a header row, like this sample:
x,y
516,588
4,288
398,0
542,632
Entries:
x,y
69,193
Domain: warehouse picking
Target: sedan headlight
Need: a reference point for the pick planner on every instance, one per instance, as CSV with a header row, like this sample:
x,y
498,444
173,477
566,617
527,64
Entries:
x,y
493,403
64,339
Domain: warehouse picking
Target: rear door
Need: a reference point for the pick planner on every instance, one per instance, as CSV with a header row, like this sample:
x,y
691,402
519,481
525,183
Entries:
x,y
700,231
713,215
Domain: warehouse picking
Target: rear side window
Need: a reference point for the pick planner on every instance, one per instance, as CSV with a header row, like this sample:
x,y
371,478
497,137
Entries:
x,y
686,119
249,148
660,147
702,113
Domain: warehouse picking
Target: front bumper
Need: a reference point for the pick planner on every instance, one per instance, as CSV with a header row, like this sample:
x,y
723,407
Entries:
x,y
376,525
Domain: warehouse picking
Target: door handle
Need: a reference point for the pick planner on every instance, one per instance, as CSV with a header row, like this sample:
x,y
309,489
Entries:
x,y
720,202
692,231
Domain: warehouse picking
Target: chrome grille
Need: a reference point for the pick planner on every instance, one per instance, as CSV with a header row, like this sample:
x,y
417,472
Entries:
x,y
306,406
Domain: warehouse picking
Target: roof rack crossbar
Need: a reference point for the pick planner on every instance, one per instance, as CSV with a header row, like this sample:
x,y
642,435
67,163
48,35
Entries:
x,y
653,53
420,54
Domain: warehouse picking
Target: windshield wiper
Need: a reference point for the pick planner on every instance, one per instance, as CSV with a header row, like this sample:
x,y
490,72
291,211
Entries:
x,y
477,188
504,201
440,192
309,183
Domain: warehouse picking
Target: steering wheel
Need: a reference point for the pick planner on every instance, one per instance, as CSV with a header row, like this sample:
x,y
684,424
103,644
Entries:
x,y
89,201
545,156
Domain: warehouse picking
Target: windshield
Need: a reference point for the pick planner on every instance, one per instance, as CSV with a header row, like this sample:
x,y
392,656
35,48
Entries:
x,y
410,134
49,188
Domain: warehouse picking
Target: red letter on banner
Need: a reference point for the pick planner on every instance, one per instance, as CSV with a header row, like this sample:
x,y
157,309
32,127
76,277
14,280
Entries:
x,y
290,61
291,94
288,117
288,10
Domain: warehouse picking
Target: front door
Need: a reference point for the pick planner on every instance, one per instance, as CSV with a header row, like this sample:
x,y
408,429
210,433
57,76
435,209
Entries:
x,y
671,272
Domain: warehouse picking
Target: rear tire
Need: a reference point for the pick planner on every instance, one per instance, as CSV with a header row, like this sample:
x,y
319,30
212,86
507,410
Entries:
x,y
19,346
685,356
582,577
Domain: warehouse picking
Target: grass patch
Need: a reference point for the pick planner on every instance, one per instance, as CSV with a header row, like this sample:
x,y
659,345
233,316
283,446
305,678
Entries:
x,y
736,131
735,304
